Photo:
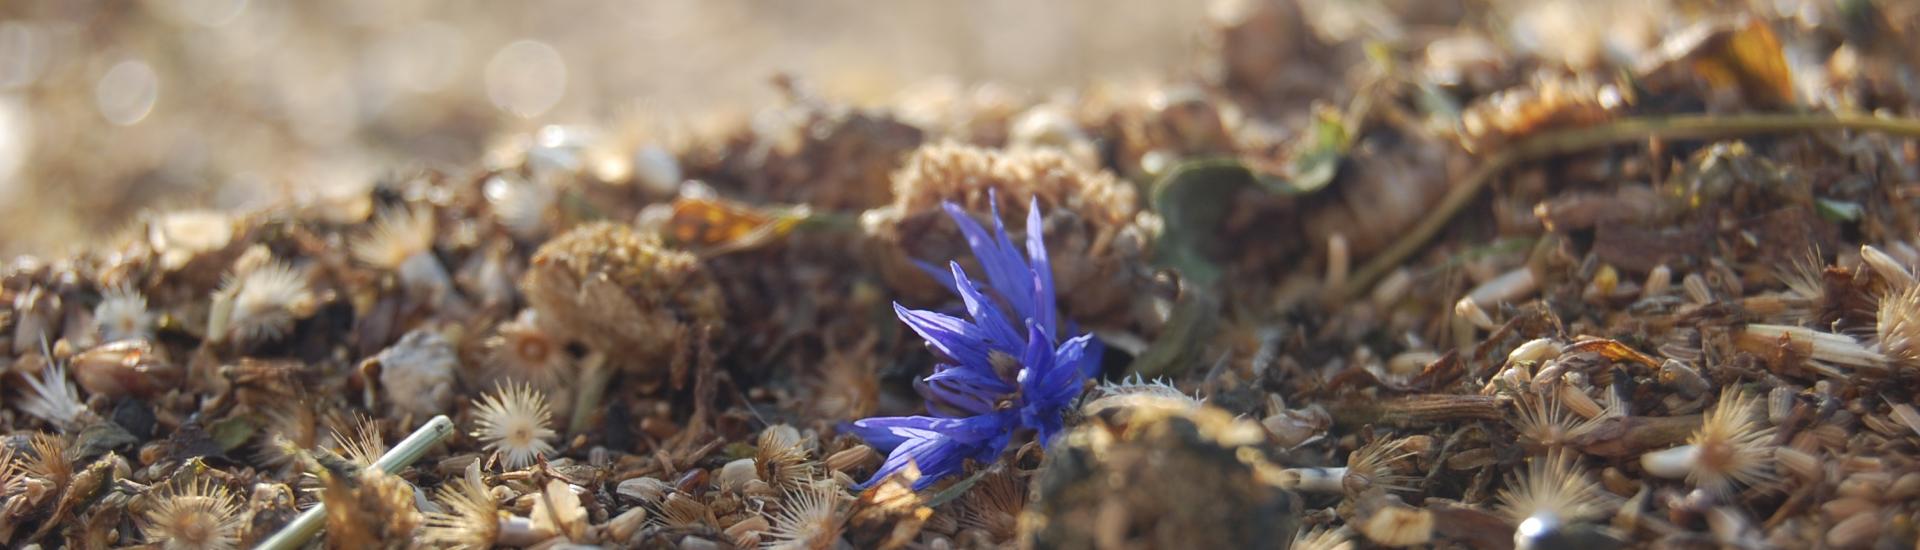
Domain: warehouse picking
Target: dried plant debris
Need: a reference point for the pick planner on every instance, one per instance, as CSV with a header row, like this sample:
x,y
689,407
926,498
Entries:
x,y
1137,315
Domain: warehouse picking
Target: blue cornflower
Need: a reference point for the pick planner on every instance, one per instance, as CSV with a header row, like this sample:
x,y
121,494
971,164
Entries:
x,y
997,373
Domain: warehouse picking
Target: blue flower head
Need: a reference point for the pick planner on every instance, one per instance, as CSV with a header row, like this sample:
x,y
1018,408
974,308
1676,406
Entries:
x,y
1002,371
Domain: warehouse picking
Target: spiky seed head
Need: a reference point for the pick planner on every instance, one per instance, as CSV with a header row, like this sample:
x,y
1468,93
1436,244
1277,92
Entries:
x,y
260,304
513,420
1897,325
50,461
368,509
1553,490
1544,421
1375,465
52,397
122,314
781,458
199,515
398,233
1802,276
810,518
290,427
359,438
521,351
1734,447
469,519
994,505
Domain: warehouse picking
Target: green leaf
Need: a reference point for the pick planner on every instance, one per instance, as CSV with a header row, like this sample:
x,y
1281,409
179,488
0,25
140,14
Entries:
x,y
231,433
1838,211
1191,201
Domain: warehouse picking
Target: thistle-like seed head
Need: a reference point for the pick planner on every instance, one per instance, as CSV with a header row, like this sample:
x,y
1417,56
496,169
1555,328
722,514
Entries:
x,y
197,516
259,304
514,420
810,518
470,520
1376,466
1734,446
781,458
1545,422
1897,325
122,314
398,233
1553,490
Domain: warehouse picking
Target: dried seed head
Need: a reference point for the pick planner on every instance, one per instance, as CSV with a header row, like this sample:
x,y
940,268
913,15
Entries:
x,y
398,233
122,315
781,459
291,426
49,461
359,439
470,517
1546,423
1803,276
1376,465
1553,491
810,518
520,351
53,398
513,421
1730,448
200,515
259,304
994,505
1095,229
1897,325
622,294
369,509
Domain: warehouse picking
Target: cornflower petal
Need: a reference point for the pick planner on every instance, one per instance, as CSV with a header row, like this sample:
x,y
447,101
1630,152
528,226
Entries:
x,y
1007,273
885,433
991,324
1043,298
958,339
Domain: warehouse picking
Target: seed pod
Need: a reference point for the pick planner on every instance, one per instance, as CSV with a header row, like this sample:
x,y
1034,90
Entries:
x,y
127,367
1855,532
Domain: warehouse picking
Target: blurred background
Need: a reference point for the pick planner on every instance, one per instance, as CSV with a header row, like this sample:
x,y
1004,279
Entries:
x,y
109,109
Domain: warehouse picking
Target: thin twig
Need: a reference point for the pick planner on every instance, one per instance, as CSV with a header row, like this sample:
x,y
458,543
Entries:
x,y
295,534
1622,131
